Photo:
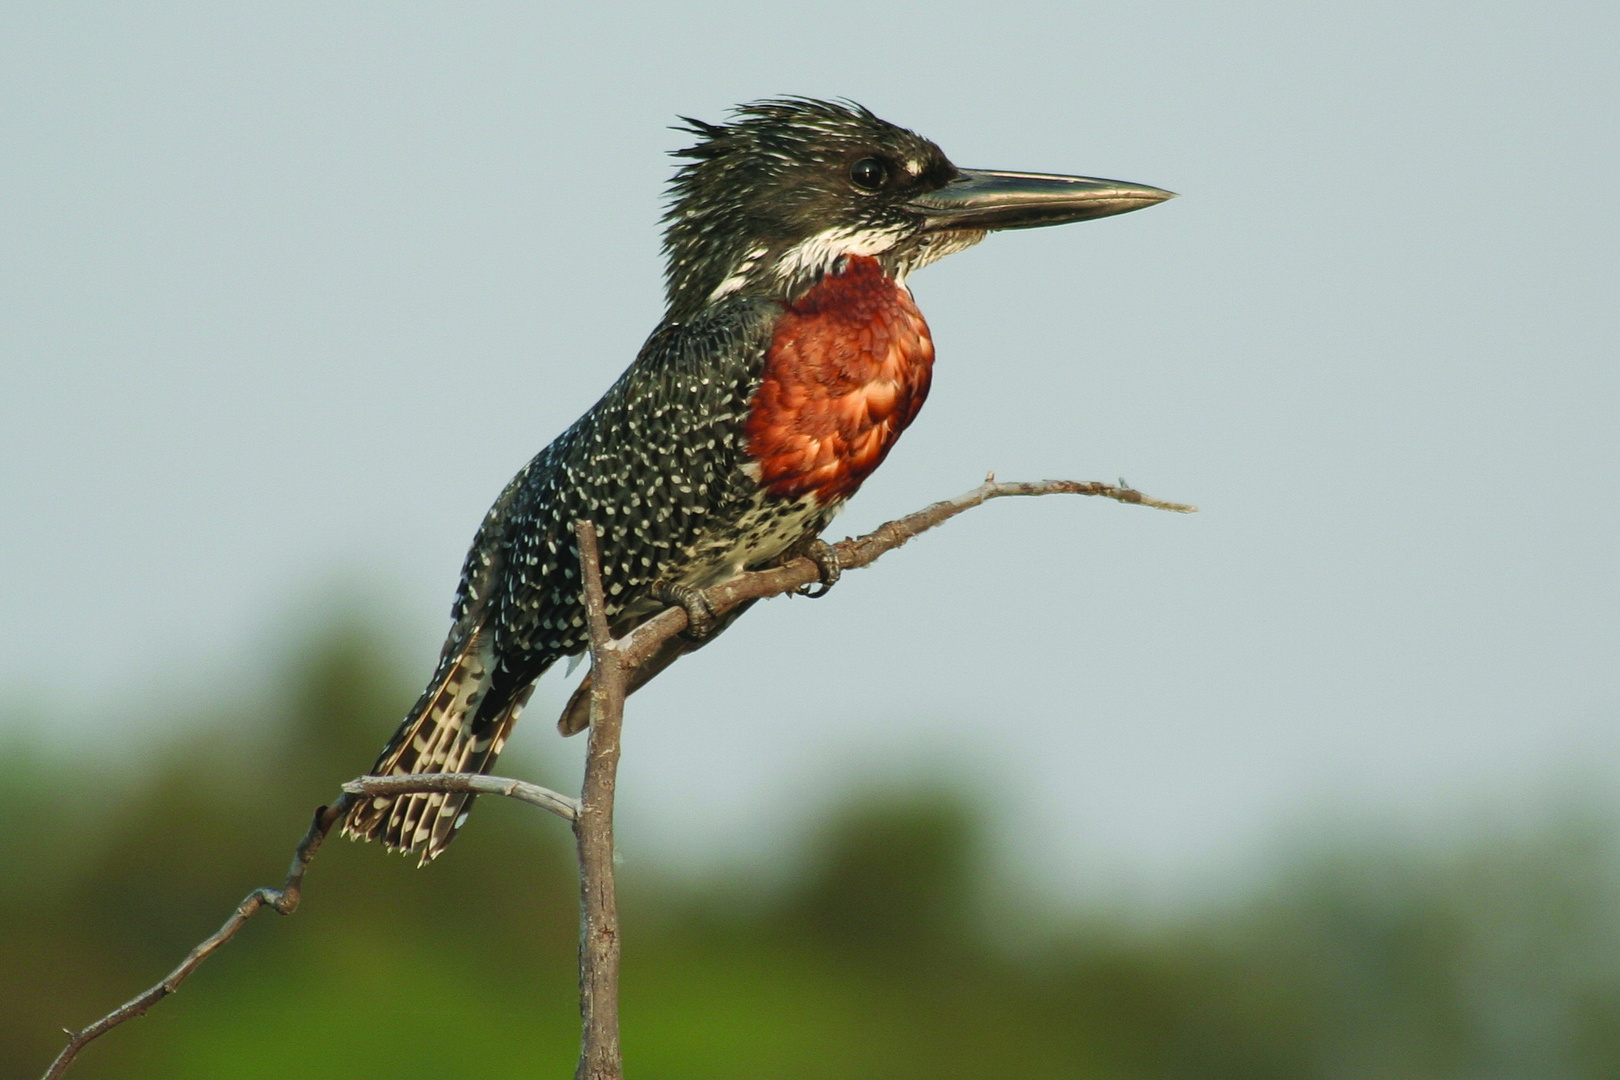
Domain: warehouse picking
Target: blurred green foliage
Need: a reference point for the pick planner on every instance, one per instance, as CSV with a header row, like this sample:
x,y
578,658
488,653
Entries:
x,y
876,960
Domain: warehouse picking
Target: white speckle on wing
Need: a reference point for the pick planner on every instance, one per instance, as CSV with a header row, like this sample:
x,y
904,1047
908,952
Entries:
x,y
766,529
738,277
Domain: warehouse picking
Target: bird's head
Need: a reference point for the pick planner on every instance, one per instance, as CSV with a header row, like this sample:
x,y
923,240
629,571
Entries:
x,y
774,199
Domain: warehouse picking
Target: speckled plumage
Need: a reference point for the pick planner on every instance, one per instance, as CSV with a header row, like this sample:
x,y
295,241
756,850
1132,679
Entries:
x,y
661,464
789,360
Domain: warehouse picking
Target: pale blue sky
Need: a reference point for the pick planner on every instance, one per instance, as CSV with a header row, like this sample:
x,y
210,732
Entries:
x,y
288,291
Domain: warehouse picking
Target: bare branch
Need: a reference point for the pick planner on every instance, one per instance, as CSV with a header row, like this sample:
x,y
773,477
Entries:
x,y
645,641
599,1056
558,803
284,900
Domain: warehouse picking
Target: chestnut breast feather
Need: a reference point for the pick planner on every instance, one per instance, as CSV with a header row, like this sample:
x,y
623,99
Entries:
x,y
848,368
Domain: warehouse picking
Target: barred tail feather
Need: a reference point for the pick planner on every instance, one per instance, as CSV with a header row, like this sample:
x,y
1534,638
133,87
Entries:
x,y
446,731
442,815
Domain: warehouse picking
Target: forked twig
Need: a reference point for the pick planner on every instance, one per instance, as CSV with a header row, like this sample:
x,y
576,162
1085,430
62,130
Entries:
x,y
285,900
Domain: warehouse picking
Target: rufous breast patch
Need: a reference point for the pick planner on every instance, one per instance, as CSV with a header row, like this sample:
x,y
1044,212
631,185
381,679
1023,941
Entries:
x,y
848,368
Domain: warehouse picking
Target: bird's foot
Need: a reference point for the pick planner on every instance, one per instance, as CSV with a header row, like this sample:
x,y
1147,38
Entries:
x,y
825,556
700,620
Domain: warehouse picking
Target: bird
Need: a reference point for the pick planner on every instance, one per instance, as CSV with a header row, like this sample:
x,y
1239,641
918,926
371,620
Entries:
x,y
790,358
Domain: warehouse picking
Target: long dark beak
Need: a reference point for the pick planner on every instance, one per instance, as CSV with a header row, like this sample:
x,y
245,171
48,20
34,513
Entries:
x,y
983,199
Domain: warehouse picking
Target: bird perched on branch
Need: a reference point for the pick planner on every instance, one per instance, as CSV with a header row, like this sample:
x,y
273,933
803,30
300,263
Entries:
x,y
789,360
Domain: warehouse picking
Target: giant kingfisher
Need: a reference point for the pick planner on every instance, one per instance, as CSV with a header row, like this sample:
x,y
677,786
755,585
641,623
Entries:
x,y
789,360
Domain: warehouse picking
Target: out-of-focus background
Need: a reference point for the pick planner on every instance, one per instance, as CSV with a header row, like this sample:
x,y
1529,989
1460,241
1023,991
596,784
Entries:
x,y
1319,782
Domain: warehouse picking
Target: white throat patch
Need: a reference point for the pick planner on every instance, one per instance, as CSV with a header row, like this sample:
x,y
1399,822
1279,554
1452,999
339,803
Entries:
x,y
814,256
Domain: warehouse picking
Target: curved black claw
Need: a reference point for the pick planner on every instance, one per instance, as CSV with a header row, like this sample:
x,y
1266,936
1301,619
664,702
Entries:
x,y
825,556
699,615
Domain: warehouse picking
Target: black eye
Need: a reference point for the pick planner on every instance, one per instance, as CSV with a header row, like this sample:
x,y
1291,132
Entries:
x,y
868,173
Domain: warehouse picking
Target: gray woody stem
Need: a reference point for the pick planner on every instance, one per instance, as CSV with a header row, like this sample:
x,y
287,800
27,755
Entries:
x,y
599,1057
612,663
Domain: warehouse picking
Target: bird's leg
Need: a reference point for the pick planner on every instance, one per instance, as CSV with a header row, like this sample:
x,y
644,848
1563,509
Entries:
x,y
825,556
699,615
